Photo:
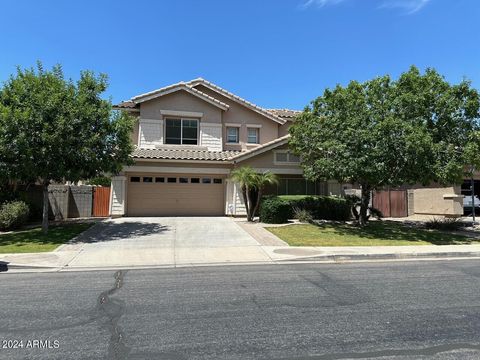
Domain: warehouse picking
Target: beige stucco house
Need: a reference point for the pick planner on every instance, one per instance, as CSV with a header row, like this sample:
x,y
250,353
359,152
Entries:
x,y
190,135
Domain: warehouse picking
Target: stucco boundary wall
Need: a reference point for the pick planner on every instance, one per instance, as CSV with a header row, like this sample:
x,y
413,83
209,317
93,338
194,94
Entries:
x,y
446,201
65,201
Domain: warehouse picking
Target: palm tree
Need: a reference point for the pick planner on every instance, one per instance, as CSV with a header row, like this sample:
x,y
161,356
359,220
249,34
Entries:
x,y
266,178
250,181
246,177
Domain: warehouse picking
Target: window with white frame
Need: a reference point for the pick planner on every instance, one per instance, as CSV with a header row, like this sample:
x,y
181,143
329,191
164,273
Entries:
x,y
252,135
232,135
181,131
286,157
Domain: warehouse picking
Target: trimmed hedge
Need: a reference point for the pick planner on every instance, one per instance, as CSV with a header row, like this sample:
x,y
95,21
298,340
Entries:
x,y
276,210
13,215
324,207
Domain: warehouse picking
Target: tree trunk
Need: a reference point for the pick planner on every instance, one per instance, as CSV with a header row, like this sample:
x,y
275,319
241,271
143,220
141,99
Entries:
x,y
245,199
365,201
257,204
45,208
248,205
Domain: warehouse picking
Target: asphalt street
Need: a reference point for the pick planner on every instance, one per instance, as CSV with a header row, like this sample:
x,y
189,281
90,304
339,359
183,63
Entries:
x,y
390,310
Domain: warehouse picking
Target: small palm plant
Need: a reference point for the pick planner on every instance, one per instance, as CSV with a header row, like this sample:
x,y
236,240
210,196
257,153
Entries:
x,y
261,180
250,183
245,177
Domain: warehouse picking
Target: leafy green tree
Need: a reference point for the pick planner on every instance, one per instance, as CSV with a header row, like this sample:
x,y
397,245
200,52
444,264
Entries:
x,y
54,129
252,185
417,129
100,181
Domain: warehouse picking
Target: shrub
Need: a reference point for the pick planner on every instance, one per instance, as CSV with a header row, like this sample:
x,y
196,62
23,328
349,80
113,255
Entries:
x,y
302,215
13,215
100,180
446,224
324,207
275,211
278,209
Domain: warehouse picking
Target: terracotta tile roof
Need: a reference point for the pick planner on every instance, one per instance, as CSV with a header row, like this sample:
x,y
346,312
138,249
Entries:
x,y
128,104
175,153
285,113
183,154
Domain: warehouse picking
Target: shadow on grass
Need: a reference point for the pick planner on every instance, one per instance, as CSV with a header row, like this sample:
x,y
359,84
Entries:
x,y
57,235
110,231
390,230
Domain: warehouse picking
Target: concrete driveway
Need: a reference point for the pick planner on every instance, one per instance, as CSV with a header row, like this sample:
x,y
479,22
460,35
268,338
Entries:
x,y
164,241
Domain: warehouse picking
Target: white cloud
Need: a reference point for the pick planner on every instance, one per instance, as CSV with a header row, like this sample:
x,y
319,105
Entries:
x,y
321,3
408,6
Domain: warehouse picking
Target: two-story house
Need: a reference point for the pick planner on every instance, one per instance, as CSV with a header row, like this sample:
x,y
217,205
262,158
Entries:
x,y
188,138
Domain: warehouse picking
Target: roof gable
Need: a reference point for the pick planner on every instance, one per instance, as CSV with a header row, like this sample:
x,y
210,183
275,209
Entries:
x,y
261,149
181,86
190,87
237,99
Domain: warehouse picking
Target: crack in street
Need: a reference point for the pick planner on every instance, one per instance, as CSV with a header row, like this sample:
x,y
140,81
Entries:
x,y
111,310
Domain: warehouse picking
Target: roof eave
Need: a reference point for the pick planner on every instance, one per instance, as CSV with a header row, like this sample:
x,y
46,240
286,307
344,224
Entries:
x,y
149,159
260,150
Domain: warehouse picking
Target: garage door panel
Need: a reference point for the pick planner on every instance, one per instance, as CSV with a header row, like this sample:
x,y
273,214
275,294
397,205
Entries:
x,y
168,199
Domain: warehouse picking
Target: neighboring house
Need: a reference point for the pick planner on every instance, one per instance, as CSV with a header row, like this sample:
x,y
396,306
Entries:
x,y
188,138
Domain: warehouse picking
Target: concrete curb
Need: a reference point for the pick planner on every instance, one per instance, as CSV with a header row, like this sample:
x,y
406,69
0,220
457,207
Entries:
x,y
328,258
367,257
28,266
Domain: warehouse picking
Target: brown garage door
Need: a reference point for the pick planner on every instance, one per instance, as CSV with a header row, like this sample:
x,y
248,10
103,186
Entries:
x,y
171,195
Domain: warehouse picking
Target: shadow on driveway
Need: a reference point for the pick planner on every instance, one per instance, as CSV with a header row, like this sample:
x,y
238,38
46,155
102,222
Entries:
x,y
110,231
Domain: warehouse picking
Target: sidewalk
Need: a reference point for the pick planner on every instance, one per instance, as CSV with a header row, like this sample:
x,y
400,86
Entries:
x,y
62,260
176,242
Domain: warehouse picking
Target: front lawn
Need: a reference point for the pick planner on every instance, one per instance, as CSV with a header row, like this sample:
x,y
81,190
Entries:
x,y
33,240
384,233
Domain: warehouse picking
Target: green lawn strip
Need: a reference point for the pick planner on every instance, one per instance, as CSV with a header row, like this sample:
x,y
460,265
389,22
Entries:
x,y
375,234
33,240
295,197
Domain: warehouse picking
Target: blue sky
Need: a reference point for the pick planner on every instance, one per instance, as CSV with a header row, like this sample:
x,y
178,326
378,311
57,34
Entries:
x,y
276,53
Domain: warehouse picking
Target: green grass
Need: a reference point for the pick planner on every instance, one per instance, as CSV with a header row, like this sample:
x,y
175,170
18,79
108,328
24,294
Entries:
x,y
375,234
33,240
295,197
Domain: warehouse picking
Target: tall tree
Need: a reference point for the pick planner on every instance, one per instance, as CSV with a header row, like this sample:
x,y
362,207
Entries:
x,y
418,129
54,129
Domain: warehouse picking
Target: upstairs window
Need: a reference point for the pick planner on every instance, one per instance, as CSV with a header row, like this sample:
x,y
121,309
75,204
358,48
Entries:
x,y
286,157
181,131
252,135
232,135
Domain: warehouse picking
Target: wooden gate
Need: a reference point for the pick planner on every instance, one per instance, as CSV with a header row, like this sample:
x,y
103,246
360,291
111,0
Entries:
x,y
101,201
392,203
